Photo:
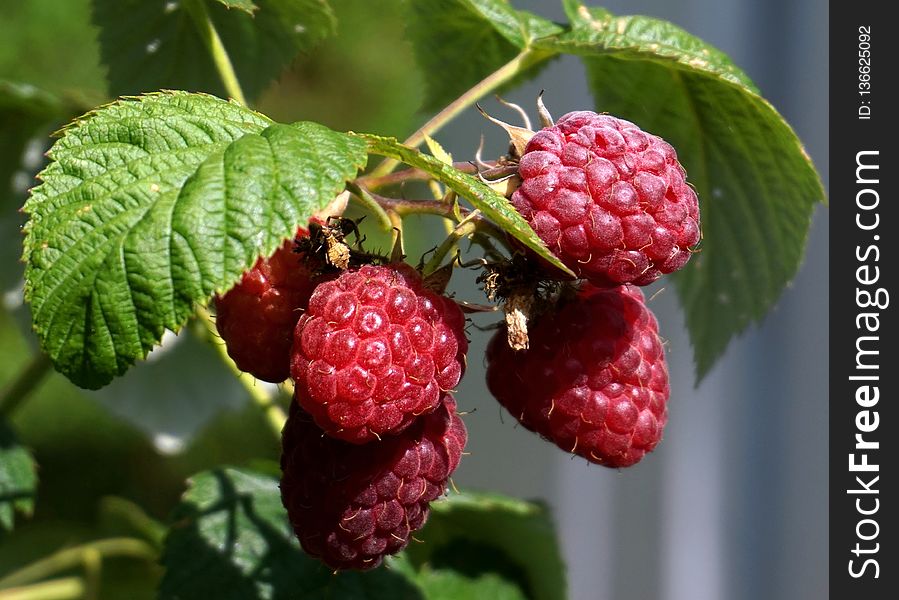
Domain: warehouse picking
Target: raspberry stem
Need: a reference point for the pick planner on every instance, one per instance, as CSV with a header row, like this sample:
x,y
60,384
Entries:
x,y
374,182
466,227
364,197
74,557
200,16
25,382
268,404
526,59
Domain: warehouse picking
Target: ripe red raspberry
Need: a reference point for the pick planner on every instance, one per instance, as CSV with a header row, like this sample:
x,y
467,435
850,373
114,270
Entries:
x,y
610,200
593,380
374,350
351,505
256,317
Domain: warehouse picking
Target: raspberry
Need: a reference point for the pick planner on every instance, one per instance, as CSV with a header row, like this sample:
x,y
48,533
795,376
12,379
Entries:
x,y
610,200
351,505
594,379
374,350
256,317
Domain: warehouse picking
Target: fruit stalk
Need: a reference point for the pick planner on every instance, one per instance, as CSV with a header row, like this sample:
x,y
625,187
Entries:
x,y
526,59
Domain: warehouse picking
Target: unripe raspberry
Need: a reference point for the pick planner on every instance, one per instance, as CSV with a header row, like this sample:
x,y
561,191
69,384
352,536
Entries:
x,y
374,350
593,380
350,505
256,317
610,200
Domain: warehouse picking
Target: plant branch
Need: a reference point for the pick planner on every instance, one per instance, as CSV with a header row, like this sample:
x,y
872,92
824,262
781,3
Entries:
x,y
442,209
374,182
367,201
71,558
524,60
24,383
268,404
465,228
64,588
205,27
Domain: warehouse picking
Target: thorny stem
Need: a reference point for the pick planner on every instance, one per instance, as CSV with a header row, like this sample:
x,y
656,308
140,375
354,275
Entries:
x,y
25,383
272,411
200,16
441,209
398,243
70,558
523,61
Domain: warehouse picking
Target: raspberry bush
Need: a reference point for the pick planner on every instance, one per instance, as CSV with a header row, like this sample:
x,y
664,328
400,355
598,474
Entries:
x,y
327,263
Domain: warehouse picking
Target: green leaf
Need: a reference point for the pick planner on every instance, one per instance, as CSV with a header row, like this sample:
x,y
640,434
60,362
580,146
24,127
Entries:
x,y
757,186
148,208
245,5
155,45
231,539
597,32
459,42
18,478
488,546
491,204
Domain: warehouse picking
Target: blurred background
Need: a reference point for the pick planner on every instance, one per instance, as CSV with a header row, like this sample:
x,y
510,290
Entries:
x,y
733,504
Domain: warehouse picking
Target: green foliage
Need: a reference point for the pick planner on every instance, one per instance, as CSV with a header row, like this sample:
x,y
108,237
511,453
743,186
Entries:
x,y
152,45
245,5
49,44
491,204
18,478
231,538
117,251
460,42
757,187
488,546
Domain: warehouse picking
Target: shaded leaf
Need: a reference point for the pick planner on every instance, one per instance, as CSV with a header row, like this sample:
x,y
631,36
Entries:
x,y
245,5
18,478
488,546
757,186
52,45
459,42
494,206
231,539
154,44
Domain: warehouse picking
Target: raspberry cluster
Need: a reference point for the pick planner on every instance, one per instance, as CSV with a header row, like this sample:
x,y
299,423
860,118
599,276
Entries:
x,y
611,201
374,350
373,435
